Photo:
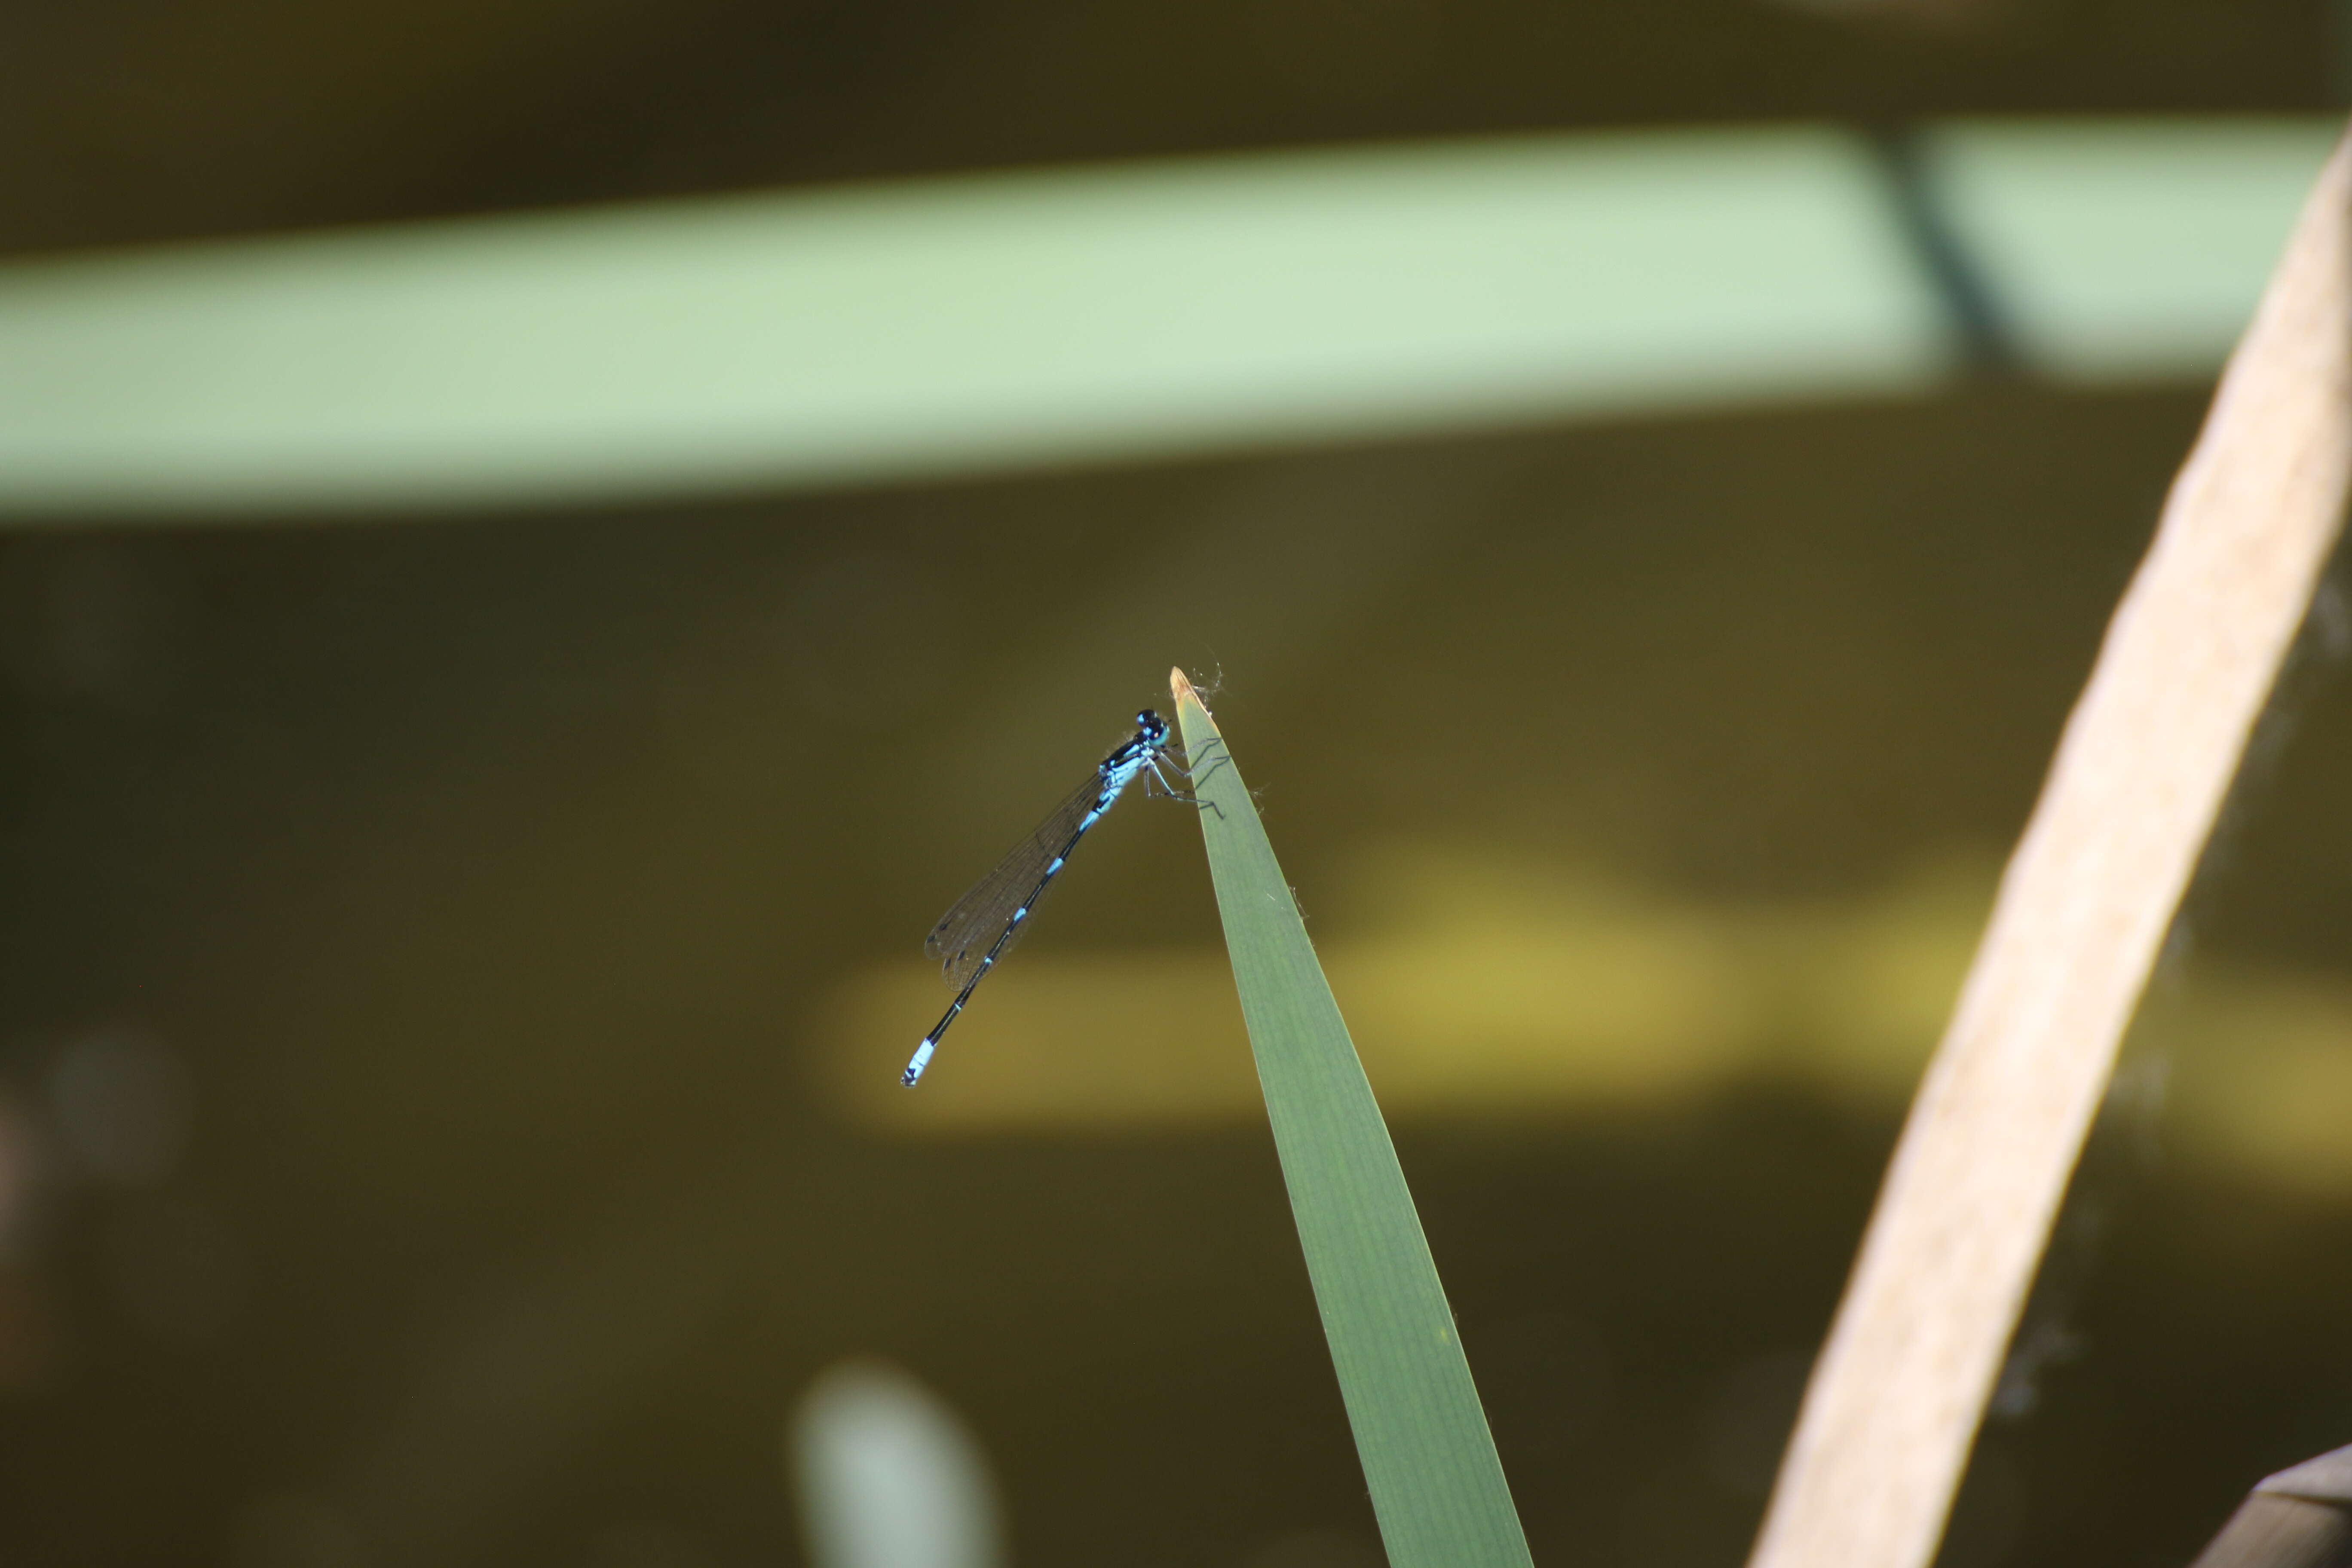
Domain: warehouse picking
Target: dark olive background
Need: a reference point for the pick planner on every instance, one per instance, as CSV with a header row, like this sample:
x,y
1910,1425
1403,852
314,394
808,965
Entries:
x,y
487,874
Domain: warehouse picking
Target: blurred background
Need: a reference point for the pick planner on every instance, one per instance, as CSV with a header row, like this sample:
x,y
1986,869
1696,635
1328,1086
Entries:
x,y
540,548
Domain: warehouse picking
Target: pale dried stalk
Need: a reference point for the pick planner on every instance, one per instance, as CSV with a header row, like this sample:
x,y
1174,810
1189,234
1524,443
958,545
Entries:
x,y
2140,774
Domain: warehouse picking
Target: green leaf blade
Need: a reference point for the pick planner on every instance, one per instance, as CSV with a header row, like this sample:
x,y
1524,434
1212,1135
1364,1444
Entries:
x,y
1429,1460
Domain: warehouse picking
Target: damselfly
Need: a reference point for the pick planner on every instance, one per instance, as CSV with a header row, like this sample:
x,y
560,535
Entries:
x,y
997,909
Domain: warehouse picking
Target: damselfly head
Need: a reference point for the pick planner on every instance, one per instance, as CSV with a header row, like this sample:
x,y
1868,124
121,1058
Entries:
x,y
1151,726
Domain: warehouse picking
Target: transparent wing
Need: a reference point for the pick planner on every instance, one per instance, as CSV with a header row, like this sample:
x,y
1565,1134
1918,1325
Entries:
x,y
967,932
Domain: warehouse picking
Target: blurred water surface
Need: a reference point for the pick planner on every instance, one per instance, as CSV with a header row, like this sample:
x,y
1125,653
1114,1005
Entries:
x,y
426,985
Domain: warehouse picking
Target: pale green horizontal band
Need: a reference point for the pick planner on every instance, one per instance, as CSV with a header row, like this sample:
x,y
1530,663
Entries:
x,y
2126,251
1005,322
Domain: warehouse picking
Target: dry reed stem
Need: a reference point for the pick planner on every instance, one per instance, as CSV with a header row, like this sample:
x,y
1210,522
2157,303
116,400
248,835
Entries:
x,y
2140,772
2300,1518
